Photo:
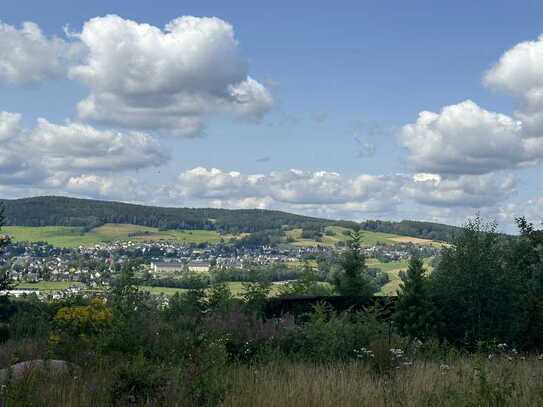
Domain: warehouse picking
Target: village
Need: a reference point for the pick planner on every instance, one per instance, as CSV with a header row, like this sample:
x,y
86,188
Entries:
x,y
96,265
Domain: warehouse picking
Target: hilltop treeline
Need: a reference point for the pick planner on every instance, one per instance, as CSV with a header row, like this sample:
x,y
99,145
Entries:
x,y
63,211
87,213
423,230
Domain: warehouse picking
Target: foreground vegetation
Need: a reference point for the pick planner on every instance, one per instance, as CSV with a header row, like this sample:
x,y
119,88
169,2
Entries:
x,y
466,381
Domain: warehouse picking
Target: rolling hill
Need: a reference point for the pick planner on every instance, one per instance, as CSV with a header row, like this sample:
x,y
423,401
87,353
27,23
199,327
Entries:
x,y
63,211
73,221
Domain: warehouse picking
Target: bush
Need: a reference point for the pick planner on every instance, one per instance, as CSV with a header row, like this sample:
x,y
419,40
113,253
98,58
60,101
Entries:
x,y
328,336
139,381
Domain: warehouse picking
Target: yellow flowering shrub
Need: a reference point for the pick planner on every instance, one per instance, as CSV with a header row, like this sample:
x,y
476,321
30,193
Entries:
x,y
82,320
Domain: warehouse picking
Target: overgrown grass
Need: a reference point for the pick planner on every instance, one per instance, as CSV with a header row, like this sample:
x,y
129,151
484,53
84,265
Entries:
x,y
468,381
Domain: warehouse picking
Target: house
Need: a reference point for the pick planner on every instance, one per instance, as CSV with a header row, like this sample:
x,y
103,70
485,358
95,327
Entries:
x,y
172,267
199,266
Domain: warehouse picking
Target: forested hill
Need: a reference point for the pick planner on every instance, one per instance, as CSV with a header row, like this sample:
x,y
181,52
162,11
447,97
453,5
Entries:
x,y
63,211
88,213
423,230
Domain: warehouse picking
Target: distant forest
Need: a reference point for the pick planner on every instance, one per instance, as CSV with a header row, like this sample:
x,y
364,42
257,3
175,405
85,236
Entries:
x,y
63,211
88,213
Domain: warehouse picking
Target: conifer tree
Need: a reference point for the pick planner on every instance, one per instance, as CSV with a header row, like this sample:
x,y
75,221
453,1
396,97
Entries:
x,y
352,280
413,308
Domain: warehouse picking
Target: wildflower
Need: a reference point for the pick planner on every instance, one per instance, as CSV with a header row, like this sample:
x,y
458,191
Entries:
x,y
363,353
502,346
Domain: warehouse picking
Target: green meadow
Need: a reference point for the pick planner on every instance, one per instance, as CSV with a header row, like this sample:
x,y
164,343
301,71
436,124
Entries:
x,y
66,236
335,234
70,236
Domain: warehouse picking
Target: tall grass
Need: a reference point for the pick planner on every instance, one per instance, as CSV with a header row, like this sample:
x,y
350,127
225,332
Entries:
x,y
469,382
466,381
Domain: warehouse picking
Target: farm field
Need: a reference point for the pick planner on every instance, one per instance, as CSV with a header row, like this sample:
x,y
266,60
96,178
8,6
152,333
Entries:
x,y
235,286
66,236
70,236
47,285
338,234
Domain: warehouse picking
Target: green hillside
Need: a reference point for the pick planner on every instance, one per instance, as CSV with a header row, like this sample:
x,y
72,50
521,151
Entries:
x,y
87,213
334,234
70,222
71,236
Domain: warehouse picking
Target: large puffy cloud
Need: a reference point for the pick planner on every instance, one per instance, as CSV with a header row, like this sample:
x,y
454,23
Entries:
x,y
49,154
466,139
520,73
28,56
143,77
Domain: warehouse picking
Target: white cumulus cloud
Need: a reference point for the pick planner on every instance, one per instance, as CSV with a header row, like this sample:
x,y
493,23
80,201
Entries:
x,y
471,191
467,139
519,72
171,79
28,56
48,154
78,146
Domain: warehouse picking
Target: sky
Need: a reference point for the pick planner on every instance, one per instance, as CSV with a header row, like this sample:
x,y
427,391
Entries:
x,y
353,110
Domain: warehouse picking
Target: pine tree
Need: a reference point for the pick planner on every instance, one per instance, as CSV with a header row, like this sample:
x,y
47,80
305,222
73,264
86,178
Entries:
x,y
413,308
352,280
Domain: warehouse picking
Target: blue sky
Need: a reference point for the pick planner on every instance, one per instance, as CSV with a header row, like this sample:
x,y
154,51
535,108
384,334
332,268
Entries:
x,y
338,83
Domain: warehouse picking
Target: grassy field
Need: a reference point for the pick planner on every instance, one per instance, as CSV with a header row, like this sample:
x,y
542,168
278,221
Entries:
x,y
66,236
47,285
63,236
338,234
235,286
